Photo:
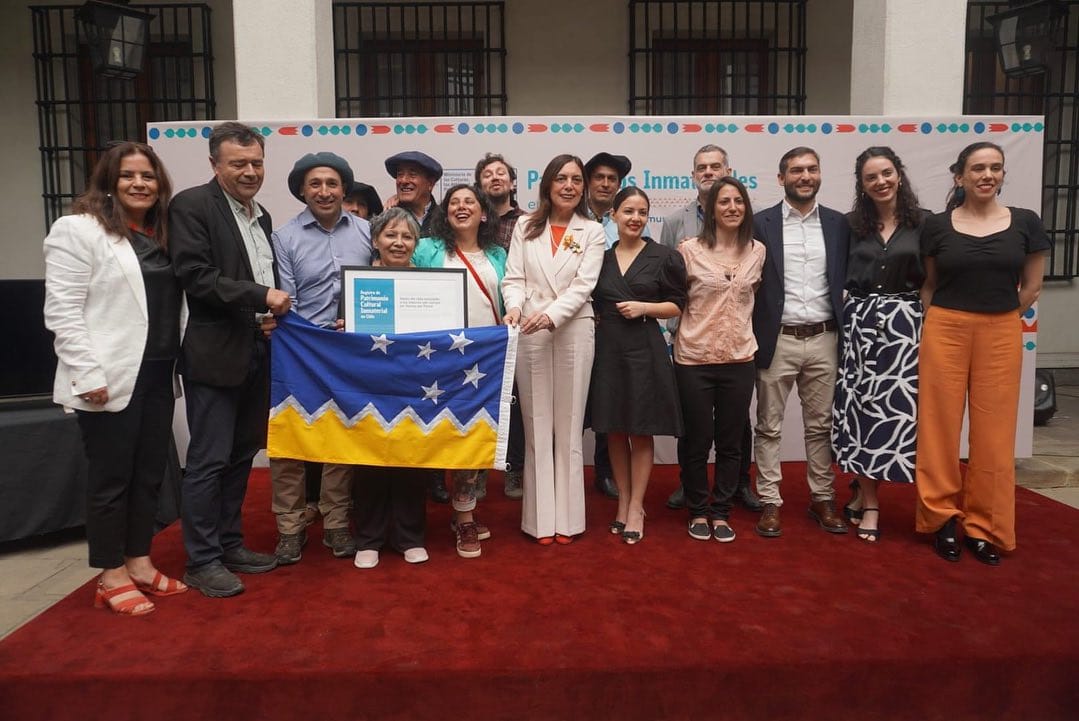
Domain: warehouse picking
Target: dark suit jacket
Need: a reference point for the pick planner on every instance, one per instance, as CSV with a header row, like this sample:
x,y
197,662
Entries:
x,y
209,259
768,308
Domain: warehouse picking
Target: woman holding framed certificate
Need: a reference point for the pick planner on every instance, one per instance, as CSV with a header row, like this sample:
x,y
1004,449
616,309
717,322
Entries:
x,y
391,500
465,235
554,261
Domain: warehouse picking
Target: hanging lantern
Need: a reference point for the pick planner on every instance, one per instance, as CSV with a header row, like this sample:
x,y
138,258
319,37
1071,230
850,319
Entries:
x,y
117,36
1027,35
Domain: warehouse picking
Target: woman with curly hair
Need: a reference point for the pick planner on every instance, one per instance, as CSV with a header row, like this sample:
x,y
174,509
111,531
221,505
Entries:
x,y
874,415
465,235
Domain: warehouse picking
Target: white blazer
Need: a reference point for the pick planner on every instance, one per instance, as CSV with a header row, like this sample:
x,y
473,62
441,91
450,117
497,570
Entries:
x,y
558,285
95,303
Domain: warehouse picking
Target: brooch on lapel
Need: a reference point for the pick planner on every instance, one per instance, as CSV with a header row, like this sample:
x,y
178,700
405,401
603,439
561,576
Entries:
x,y
570,243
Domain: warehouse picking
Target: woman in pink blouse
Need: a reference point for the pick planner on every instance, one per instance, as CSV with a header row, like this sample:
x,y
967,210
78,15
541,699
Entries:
x,y
713,354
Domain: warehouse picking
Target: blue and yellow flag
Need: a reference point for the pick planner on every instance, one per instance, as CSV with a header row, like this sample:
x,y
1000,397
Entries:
x,y
422,400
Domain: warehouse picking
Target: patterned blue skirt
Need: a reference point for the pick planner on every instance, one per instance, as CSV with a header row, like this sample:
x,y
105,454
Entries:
x,y
876,398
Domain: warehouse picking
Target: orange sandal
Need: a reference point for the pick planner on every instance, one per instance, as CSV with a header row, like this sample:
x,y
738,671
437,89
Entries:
x,y
125,600
162,585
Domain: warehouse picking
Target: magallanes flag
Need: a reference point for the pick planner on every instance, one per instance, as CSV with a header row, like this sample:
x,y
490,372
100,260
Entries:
x,y
421,400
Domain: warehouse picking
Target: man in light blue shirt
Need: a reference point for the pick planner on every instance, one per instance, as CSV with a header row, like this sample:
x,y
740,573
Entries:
x,y
603,176
311,249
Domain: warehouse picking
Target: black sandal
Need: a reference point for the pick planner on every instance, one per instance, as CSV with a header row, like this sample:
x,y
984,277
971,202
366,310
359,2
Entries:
x,y
854,515
869,535
616,528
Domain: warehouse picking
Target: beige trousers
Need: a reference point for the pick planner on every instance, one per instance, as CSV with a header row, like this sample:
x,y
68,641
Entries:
x,y
810,364
290,494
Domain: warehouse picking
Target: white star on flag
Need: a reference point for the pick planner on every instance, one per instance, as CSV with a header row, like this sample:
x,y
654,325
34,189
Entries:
x,y
459,342
473,375
432,392
426,351
381,342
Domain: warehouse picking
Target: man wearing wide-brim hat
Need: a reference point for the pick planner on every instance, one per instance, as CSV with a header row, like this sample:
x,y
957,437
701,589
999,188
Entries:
x,y
363,200
415,175
311,249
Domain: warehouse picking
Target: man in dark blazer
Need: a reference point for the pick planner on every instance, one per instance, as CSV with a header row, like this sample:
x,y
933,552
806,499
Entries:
x,y
795,319
219,238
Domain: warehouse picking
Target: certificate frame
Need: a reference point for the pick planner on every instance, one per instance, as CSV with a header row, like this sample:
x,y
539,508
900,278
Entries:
x,y
377,299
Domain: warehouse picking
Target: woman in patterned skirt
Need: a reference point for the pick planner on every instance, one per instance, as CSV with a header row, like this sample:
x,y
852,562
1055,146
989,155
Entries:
x,y
873,427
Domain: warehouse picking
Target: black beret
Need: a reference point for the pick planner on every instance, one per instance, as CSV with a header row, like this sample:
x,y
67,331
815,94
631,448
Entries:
x,y
423,160
318,160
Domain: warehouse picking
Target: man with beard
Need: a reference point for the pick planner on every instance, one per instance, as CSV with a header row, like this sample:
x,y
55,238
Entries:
x,y
415,175
311,248
799,303
710,163
498,179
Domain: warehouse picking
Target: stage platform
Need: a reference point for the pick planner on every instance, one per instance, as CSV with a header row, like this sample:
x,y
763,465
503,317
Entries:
x,y
807,626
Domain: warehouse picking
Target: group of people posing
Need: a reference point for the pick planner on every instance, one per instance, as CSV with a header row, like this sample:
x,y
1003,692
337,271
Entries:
x,y
887,320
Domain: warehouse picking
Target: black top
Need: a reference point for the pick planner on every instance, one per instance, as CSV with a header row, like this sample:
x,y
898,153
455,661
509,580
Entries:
x,y
162,299
877,268
981,274
656,275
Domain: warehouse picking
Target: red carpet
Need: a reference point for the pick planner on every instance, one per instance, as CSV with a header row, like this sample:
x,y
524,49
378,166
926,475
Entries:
x,y
807,626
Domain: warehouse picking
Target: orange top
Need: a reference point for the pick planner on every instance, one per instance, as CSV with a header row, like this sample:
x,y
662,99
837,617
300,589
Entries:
x,y
557,231
717,323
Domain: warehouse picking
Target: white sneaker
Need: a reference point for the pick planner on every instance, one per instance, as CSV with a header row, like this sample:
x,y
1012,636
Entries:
x,y
366,559
416,555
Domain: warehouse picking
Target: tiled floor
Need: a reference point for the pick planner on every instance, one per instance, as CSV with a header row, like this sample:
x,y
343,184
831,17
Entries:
x,y
36,574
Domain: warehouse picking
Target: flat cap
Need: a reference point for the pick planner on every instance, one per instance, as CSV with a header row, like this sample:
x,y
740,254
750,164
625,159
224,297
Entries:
x,y
318,160
423,160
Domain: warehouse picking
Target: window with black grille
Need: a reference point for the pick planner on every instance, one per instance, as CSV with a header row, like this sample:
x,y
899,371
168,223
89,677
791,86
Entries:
x,y
79,112
433,58
988,91
717,58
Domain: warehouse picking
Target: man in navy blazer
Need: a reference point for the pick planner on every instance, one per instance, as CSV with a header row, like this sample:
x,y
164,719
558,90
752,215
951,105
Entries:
x,y
795,320
219,238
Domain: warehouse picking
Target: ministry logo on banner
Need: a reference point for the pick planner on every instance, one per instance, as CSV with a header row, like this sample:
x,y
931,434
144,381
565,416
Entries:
x,y
420,400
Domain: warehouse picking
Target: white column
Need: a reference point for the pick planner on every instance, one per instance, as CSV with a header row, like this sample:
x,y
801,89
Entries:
x,y
284,59
907,57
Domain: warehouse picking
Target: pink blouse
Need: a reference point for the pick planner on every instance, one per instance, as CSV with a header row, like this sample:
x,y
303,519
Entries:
x,y
717,323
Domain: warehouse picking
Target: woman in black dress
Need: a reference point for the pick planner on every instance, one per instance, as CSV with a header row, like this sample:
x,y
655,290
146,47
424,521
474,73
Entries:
x,y
874,416
633,393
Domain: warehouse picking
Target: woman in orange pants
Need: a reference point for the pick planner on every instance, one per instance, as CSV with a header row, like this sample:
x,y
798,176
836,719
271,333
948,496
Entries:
x,y
984,263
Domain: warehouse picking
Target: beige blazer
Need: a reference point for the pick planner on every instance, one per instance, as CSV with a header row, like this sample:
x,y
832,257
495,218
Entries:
x,y
559,285
95,304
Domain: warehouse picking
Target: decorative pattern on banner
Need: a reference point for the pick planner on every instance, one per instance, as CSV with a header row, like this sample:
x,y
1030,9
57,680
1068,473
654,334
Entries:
x,y
422,400
618,128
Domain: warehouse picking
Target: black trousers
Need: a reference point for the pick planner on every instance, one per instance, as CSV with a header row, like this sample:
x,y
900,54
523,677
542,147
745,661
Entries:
x,y
127,452
389,502
515,450
715,404
228,427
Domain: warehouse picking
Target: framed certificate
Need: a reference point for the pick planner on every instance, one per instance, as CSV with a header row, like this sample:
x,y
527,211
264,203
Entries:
x,y
381,300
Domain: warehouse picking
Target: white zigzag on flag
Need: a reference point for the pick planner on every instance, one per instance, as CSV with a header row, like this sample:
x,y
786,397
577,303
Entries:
x,y
369,410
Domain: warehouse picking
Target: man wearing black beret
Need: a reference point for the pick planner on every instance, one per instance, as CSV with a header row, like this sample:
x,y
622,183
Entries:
x,y
415,175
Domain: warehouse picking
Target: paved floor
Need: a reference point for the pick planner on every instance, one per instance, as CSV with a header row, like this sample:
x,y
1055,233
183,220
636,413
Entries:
x,y
36,573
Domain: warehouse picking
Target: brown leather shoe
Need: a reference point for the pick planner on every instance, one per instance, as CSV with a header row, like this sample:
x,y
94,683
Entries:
x,y
768,526
823,512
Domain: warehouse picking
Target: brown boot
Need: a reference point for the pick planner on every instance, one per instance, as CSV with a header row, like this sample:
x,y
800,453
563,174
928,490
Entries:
x,y
823,512
768,526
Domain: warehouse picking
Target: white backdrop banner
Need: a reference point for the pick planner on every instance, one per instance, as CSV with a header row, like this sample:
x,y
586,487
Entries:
x,y
661,149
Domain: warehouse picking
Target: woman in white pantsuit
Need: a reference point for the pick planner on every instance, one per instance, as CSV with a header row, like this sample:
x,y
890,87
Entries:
x,y
554,261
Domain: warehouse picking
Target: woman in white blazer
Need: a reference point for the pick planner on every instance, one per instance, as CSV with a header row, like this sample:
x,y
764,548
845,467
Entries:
x,y
554,261
112,300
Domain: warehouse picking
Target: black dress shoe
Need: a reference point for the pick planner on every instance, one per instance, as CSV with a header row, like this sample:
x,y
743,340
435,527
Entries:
x,y
677,499
984,551
606,487
945,542
748,498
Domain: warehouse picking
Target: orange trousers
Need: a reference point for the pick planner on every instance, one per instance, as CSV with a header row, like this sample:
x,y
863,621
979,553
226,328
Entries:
x,y
971,359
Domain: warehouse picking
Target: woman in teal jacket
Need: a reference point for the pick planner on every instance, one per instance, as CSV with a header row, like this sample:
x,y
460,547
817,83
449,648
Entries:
x,y
464,235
